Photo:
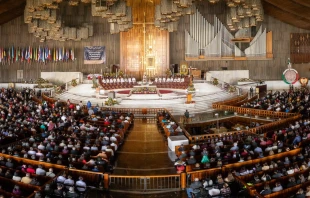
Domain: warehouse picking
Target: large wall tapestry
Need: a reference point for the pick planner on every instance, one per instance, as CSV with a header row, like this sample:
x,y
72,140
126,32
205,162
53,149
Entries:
x,y
94,55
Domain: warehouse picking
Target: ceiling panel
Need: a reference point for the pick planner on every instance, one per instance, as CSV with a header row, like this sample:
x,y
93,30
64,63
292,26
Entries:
x,y
289,11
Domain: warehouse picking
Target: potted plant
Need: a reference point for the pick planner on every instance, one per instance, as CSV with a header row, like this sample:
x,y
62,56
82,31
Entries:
x,y
215,81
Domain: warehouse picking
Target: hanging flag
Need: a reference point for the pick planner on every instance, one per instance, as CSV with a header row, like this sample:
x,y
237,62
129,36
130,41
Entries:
x,y
63,53
27,54
57,54
54,54
22,55
67,54
72,54
35,54
30,53
17,54
12,53
49,55
39,54
60,55
9,55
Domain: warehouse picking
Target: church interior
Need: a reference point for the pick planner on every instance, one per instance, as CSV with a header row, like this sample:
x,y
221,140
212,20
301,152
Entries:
x,y
154,98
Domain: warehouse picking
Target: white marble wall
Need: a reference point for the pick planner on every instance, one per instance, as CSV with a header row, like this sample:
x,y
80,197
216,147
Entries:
x,y
230,76
17,85
62,77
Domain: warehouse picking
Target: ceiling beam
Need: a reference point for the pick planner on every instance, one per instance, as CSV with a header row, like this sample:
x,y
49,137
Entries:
x,y
12,14
291,7
10,5
303,3
286,17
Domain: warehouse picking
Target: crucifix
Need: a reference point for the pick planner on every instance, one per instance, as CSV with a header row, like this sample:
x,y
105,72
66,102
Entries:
x,y
144,23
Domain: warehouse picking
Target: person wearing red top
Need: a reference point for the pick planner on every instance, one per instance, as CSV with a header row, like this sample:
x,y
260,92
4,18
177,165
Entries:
x,y
30,170
269,142
71,106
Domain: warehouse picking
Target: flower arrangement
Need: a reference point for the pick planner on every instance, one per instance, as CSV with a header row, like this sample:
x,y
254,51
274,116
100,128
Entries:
x,y
168,72
215,81
191,88
58,89
232,89
144,90
73,82
110,102
43,86
41,81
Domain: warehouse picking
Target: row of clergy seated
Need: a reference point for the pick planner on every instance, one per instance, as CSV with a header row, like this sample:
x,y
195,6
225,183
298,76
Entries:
x,y
119,80
160,80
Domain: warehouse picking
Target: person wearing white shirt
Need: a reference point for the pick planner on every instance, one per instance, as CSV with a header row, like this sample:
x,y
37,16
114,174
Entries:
x,y
109,149
61,178
113,139
69,182
80,185
63,117
40,170
50,173
41,146
113,144
214,191
31,151
17,177
77,107
94,148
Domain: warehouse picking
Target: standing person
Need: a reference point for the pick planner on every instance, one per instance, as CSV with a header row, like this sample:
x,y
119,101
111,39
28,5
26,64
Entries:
x,y
251,92
88,105
186,116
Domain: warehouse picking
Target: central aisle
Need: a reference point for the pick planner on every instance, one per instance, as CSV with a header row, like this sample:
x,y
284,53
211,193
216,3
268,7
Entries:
x,y
144,151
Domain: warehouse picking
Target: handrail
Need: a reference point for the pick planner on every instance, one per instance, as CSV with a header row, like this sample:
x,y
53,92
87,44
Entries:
x,y
139,176
284,118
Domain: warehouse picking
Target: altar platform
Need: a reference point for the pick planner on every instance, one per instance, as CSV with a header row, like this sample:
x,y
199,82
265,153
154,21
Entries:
x,y
171,99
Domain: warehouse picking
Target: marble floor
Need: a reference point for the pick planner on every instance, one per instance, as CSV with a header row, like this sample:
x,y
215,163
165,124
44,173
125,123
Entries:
x,y
174,100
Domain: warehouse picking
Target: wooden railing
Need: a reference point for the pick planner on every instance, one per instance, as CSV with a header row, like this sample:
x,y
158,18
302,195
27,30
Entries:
x,y
179,181
145,183
232,101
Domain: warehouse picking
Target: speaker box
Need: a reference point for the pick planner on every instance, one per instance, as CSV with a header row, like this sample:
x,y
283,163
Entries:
x,y
176,68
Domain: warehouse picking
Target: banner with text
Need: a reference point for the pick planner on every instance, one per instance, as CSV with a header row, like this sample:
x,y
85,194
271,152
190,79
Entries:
x,y
94,55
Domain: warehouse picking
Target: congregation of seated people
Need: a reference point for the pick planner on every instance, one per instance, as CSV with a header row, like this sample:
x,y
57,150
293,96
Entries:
x,y
280,173
59,133
287,101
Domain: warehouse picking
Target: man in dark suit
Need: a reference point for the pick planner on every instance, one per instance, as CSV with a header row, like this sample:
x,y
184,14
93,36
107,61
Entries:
x,y
266,190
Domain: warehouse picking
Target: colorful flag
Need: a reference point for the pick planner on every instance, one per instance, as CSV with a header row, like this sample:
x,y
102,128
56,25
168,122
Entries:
x,y
72,54
57,54
12,54
60,55
67,54
49,55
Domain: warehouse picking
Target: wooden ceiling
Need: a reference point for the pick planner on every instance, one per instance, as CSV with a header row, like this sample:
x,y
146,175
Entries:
x,y
11,9
294,12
